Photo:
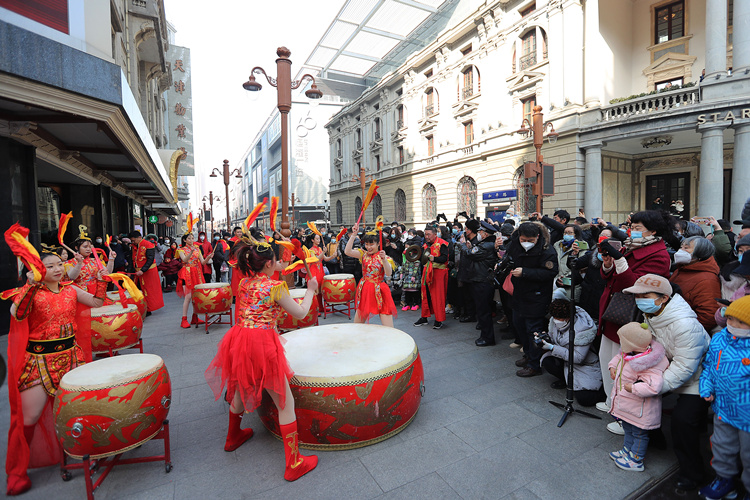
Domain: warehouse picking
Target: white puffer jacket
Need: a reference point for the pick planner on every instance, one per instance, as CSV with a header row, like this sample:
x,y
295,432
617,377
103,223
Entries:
x,y
686,342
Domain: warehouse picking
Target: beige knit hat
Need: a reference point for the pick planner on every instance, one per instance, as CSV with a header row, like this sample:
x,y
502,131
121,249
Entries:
x,y
634,337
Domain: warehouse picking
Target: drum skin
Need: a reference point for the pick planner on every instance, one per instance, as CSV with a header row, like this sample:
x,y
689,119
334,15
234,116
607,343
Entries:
x,y
339,288
287,322
115,327
114,298
339,413
107,419
209,298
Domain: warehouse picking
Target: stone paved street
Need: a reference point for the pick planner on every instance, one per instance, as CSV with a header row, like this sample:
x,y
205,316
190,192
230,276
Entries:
x,y
481,432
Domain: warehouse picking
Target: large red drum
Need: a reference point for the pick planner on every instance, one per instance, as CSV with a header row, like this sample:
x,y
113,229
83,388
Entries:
x,y
354,385
339,288
287,322
115,327
212,298
112,405
114,298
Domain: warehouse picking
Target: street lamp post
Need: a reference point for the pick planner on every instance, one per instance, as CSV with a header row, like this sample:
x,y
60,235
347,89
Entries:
x,y
284,86
293,199
226,174
210,198
537,127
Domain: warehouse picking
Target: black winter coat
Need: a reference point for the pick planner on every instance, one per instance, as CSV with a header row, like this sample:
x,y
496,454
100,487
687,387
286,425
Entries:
x,y
480,261
532,291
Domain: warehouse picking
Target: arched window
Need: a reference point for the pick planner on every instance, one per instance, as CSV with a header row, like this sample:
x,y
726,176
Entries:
x,y
399,204
358,138
544,44
528,49
376,128
357,207
339,212
377,206
429,202
431,104
467,196
468,83
338,148
400,116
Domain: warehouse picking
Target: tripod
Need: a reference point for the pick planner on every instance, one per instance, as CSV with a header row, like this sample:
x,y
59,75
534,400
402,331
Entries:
x,y
567,408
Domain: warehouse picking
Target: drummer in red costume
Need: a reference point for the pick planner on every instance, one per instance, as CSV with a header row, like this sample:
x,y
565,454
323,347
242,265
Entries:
x,y
250,357
237,275
190,274
434,278
83,268
145,270
49,336
373,295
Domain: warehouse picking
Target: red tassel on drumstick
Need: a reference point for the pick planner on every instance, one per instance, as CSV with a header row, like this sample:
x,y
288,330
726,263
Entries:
x,y
64,219
379,229
370,195
272,211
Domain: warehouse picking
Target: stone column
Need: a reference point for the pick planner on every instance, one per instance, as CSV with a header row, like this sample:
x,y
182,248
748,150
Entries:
x,y
592,58
592,184
716,37
740,170
741,36
711,176
573,58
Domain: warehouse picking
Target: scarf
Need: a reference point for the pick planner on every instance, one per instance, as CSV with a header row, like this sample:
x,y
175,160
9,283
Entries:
x,y
642,242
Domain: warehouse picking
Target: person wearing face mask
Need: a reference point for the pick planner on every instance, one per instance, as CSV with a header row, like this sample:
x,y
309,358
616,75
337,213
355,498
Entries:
x,y
587,374
221,253
724,383
674,324
533,274
463,302
566,248
643,252
731,282
481,259
742,273
205,247
697,275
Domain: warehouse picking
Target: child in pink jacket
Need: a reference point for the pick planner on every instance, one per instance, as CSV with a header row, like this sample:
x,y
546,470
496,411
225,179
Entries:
x,y
637,371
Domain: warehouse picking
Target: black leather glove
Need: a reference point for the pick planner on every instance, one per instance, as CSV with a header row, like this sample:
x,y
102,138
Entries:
x,y
608,249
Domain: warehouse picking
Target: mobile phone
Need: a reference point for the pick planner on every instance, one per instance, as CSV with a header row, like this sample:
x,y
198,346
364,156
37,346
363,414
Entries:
x,y
702,220
583,245
595,220
617,245
566,281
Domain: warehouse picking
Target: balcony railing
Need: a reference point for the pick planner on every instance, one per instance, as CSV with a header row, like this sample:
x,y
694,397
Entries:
x,y
468,150
359,144
467,92
339,154
399,124
377,135
429,110
528,60
656,103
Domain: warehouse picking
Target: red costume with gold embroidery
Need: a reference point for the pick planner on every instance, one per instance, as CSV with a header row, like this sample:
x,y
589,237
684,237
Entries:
x,y
51,336
191,272
250,357
143,260
86,279
373,295
435,280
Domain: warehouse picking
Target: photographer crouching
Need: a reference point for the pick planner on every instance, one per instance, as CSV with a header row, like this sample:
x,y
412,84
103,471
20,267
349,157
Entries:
x,y
587,374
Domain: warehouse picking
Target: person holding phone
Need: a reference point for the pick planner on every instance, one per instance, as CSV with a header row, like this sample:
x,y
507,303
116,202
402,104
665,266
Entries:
x,y
566,248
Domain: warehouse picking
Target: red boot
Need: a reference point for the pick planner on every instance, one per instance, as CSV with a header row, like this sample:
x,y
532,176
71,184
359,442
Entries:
x,y
235,435
20,484
196,320
297,465
185,323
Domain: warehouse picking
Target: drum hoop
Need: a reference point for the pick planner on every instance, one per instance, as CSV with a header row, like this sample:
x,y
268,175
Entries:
x,y
123,308
211,286
119,382
357,379
120,450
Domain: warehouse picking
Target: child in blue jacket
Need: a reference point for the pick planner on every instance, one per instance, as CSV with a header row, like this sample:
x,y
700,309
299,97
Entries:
x,y
725,382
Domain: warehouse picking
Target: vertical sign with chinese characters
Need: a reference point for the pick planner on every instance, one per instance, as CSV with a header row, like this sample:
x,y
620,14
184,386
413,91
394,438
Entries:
x,y
179,108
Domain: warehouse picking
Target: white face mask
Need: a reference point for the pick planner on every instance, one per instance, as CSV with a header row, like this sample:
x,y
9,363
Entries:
x,y
202,238
738,332
98,240
527,245
479,236
682,257
560,324
166,242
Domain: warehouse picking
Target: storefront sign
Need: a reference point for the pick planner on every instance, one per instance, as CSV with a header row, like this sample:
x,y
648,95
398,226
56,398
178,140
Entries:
x,y
721,117
494,196
153,219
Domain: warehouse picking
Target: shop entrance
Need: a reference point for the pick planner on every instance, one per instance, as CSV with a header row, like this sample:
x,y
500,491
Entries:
x,y
669,192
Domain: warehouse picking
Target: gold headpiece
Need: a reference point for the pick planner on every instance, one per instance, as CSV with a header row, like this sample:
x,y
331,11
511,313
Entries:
x,y
82,233
50,249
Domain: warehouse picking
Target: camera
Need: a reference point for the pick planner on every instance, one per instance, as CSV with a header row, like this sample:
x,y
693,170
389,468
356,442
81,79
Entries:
x,y
540,337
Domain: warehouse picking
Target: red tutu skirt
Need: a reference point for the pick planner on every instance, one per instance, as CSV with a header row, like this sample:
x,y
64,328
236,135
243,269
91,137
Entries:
x,y
249,360
367,305
187,278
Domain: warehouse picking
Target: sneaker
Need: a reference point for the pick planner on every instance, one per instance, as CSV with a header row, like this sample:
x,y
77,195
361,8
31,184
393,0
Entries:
x,y
630,462
514,345
420,322
449,310
719,488
415,308
405,308
616,428
528,372
603,406
618,454
438,325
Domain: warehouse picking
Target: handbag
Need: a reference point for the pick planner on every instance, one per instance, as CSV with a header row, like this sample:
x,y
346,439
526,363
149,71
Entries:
x,y
621,309
508,284
210,261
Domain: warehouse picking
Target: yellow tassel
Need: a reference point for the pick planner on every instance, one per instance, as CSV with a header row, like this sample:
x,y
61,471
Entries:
x,y
279,291
128,284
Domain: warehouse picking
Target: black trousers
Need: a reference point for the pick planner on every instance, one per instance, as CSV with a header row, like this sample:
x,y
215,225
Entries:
x,y
505,300
585,397
689,420
526,327
217,269
484,294
467,300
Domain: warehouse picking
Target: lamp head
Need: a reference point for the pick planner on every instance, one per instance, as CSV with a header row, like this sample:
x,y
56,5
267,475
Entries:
x,y
552,136
523,130
213,174
251,85
313,92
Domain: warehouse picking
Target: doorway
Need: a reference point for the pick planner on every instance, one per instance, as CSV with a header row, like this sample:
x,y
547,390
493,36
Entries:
x,y
669,192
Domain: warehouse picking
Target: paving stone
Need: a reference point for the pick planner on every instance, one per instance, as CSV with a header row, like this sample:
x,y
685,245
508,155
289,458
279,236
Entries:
x,y
436,414
498,392
431,486
487,429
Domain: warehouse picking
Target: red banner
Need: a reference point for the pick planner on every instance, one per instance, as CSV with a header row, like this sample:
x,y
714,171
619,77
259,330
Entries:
x,y
52,13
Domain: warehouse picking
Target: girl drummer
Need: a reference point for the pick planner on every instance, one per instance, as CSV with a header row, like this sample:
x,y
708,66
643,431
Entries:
x,y
251,358
83,268
190,274
373,295
46,341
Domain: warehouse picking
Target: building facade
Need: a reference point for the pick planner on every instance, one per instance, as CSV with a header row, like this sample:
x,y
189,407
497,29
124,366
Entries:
x,y
619,81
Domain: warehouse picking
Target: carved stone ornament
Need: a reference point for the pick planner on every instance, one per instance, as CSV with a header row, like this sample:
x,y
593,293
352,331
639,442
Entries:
x,y
658,141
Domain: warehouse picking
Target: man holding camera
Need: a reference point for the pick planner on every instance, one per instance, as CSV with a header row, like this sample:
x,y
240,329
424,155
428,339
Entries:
x,y
480,257
533,273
